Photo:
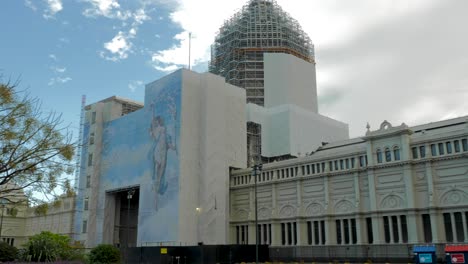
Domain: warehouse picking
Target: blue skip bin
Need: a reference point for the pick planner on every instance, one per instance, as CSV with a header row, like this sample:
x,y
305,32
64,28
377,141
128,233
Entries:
x,y
425,254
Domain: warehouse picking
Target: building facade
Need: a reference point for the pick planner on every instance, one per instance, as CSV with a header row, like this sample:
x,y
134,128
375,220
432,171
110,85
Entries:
x,y
160,174
18,221
395,185
57,219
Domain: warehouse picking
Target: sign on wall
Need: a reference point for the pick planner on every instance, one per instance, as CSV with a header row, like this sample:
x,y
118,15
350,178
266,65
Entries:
x,y
458,258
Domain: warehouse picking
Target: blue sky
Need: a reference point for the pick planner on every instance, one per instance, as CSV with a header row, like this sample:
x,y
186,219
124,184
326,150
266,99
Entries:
x,y
395,60
61,56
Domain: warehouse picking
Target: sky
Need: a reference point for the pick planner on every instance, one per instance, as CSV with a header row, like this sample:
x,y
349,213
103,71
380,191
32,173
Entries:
x,y
396,60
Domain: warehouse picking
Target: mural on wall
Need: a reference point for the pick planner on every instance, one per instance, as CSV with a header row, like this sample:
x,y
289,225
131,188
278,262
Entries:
x,y
141,149
163,141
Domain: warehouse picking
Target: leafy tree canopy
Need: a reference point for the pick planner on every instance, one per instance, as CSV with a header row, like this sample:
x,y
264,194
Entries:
x,y
36,150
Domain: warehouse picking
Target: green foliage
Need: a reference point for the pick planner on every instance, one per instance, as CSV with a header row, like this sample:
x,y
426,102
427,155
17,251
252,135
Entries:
x,y
41,209
36,151
13,212
56,203
48,246
7,252
104,254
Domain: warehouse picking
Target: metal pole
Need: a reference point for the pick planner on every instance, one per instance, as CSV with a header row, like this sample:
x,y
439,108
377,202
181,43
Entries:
x,y
1,221
256,216
130,194
190,48
128,220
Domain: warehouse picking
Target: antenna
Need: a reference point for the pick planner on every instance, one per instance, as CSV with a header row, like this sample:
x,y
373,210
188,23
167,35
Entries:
x,y
189,48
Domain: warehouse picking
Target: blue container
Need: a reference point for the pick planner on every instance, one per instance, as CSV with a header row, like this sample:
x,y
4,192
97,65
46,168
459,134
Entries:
x,y
425,254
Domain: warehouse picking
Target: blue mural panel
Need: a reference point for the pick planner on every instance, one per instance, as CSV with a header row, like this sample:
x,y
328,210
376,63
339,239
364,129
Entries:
x,y
142,149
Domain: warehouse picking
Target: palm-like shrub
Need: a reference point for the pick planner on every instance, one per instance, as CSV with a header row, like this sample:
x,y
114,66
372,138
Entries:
x,y
47,246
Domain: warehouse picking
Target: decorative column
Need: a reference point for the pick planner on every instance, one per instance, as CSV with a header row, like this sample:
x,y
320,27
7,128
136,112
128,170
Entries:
x,y
342,232
390,224
400,232
413,236
376,226
454,229
330,231
437,236
465,229
359,222
320,232
350,232
312,232
275,234
430,184
357,192
302,233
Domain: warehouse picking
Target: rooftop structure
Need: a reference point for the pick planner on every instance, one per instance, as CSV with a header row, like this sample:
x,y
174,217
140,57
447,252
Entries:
x,y
260,27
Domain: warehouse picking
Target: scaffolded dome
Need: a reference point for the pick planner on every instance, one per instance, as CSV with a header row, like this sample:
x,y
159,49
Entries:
x,y
260,27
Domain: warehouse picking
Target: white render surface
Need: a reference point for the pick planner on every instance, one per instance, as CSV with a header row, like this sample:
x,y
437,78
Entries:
x,y
290,80
293,192
290,129
290,122
212,140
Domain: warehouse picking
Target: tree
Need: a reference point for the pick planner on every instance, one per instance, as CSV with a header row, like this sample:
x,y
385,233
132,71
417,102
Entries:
x,y
36,150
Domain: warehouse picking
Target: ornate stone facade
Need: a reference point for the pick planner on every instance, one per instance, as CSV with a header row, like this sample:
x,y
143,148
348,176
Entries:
x,y
395,185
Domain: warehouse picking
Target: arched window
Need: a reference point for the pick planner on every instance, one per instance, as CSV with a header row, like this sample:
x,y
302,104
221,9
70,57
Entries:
x,y
388,155
396,153
379,156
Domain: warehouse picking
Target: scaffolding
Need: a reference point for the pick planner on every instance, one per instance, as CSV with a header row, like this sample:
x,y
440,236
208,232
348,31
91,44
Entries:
x,y
80,143
254,151
261,26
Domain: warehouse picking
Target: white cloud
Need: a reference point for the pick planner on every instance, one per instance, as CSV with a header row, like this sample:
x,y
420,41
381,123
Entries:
x,y
53,7
140,16
30,4
64,40
342,20
53,57
119,47
59,80
106,8
166,68
376,60
133,85
58,69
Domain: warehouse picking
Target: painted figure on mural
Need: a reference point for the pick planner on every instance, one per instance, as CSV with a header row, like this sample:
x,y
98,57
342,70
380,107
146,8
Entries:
x,y
162,144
